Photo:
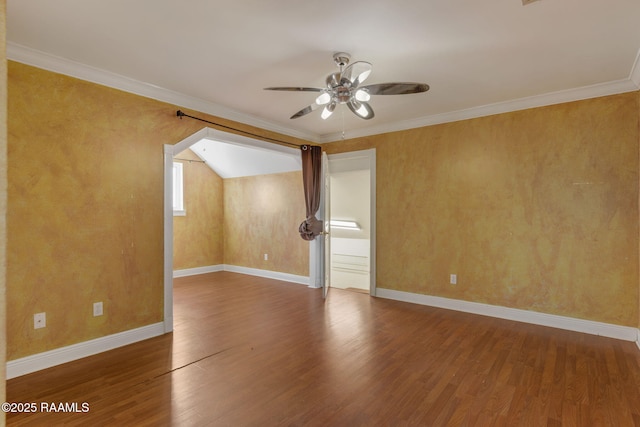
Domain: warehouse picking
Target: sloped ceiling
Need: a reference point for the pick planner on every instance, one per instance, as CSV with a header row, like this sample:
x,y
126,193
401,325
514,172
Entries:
x,y
235,160
479,57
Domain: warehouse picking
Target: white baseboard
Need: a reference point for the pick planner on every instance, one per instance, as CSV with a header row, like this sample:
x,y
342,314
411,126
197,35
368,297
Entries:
x,y
578,325
58,356
198,270
285,277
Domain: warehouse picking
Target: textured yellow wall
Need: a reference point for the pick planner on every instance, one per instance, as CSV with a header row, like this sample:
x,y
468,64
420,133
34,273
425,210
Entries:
x,y
272,205
197,236
536,209
85,211
85,206
262,215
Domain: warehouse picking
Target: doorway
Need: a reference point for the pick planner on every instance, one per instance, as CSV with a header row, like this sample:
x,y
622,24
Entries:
x,y
352,218
251,147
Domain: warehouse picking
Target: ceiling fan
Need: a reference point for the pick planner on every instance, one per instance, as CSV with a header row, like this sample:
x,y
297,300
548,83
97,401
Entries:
x,y
343,87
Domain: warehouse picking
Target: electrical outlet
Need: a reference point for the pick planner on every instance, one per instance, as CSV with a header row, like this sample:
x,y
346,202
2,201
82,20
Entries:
x,y
97,308
453,279
266,257
39,320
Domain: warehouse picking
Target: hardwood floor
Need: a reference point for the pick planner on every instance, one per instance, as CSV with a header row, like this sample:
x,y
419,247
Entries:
x,y
249,351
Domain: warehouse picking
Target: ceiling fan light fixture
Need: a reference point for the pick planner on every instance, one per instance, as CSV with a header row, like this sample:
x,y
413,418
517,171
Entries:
x,y
363,95
328,111
361,109
323,98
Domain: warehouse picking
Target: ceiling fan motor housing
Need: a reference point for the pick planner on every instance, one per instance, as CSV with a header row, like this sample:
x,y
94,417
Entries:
x,y
342,94
339,87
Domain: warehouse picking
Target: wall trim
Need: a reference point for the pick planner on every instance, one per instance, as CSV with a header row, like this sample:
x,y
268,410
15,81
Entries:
x,y
36,58
535,101
625,333
198,270
58,356
285,277
29,364
57,64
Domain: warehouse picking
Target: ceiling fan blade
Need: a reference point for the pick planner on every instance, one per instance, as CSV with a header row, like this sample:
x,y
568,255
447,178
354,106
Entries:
x,y
305,111
357,72
396,88
361,109
295,89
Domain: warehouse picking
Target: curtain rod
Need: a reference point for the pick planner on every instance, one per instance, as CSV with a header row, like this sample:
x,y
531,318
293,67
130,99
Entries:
x,y
180,114
189,160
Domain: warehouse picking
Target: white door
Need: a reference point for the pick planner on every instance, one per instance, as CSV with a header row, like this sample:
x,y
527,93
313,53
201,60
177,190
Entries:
x,y
364,160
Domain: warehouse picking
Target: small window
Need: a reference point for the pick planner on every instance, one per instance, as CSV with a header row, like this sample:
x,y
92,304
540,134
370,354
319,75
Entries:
x,y
178,195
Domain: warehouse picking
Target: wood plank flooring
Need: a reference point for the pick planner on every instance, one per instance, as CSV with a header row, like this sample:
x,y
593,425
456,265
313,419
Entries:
x,y
249,351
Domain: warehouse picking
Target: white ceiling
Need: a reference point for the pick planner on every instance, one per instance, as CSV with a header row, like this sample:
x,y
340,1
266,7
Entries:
x,y
479,57
236,160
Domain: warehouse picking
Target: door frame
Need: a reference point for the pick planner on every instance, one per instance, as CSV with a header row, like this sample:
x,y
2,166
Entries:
x,y
368,156
169,152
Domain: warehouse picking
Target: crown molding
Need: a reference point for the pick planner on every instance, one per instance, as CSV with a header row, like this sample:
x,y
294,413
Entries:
x,y
60,65
630,84
56,64
569,95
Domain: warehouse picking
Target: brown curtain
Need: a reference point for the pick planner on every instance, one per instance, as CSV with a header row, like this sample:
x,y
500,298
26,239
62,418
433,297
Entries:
x,y
311,176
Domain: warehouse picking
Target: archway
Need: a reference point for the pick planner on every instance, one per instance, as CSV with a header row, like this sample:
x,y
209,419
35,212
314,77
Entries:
x,y
169,152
